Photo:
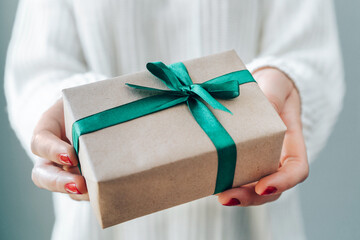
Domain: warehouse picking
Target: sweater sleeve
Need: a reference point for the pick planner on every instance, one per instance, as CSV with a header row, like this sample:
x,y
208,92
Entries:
x,y
300,39
44,57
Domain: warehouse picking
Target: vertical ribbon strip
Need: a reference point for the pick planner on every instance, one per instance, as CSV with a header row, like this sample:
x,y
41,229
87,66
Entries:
x,y
181,90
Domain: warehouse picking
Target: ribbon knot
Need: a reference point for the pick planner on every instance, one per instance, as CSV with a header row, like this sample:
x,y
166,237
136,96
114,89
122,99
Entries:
x,y
186,90
181,89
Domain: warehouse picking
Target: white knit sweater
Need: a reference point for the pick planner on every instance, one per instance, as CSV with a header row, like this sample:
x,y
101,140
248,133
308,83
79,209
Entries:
x,y
63,43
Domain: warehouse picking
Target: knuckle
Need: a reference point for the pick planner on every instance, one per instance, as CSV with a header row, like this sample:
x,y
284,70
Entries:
x,y
277,197
246,200
38,144
70,150
34,177
58,183
274,197
285,157
266,199
51,152
34,142
244,203
305,173
288,184
269,199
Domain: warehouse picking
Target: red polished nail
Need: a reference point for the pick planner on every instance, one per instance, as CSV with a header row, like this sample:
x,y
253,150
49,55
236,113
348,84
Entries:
x,y
71,188
269,190
232,202
64,159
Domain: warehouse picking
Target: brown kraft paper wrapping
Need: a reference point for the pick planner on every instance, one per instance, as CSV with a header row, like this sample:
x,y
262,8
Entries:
x,y
165,159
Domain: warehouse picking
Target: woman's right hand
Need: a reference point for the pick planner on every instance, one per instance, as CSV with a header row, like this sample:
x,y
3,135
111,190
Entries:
x,y
56,168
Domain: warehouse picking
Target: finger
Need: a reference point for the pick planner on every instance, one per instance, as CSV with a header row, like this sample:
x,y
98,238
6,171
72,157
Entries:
x,y
275,85
48,140
294,165
47,175
244,196
49,146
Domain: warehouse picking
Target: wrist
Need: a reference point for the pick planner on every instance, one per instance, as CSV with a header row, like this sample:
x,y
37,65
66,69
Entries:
x,y
273,74
276,85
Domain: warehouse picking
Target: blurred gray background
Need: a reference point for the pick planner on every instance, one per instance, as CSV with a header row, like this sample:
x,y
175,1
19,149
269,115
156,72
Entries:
x,y
330,196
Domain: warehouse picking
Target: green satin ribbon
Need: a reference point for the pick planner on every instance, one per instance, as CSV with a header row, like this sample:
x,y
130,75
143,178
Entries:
x,y
181,90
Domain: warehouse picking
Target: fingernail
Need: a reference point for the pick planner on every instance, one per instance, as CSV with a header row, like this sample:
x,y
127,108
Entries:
x,y
269,190
64,159
232,202
71,188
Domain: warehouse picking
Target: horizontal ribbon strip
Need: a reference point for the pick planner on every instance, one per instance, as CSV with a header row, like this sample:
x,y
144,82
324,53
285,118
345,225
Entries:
x,y
181,90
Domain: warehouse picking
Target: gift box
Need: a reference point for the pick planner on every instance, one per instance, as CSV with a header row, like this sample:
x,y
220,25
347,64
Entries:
x,y
155,139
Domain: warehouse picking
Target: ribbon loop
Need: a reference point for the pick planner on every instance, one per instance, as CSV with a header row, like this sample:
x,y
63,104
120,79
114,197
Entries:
x,y
181,72
226,90
161,71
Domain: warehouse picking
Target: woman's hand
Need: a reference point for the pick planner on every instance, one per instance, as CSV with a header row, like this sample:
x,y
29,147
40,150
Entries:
x,y
293,167
56,170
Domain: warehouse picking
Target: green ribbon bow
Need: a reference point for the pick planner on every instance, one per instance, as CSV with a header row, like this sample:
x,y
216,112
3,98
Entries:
x,y
181,89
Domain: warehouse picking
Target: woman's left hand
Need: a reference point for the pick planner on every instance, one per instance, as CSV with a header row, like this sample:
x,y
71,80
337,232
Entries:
x,y
293,167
